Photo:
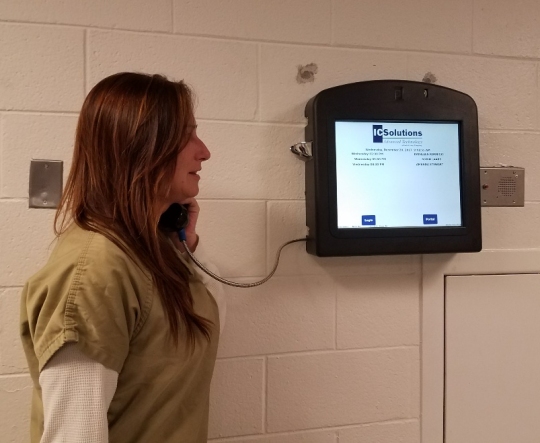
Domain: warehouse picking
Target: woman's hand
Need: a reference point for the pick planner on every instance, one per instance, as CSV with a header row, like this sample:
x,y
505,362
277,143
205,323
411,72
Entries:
x,y
192,239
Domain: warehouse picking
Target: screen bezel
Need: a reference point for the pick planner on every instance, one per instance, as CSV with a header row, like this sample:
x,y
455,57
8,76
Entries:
x,y
390,231
388,100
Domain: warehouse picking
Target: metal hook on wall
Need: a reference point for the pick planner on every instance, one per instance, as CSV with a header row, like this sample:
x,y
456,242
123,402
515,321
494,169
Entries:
x,y
303,150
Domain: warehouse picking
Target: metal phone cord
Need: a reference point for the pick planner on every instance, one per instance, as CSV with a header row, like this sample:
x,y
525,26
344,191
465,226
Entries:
x,y
235,284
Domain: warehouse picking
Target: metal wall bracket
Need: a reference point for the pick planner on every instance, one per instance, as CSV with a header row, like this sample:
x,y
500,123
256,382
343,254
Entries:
x,y
303,150
502,186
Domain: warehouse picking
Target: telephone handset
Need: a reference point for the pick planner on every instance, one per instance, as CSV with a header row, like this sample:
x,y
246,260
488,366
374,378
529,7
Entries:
x,y
175,219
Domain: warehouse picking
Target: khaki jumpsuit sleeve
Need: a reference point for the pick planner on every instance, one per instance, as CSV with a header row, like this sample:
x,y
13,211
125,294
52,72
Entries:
x,y
93,301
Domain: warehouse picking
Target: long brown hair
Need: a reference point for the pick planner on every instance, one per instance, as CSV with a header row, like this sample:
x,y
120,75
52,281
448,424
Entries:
x,y
130,131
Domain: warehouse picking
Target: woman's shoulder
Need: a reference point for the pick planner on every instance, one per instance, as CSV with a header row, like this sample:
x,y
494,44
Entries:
x,y
89,291
94,248
89,253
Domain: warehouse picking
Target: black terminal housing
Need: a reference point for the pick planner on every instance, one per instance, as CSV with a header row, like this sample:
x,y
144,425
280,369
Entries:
x,y
395,101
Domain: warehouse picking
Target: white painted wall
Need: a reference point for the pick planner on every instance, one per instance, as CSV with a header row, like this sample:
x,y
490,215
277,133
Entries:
x,y
328,350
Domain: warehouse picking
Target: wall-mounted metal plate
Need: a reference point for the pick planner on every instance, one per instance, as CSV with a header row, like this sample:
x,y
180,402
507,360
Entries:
x,y
45,189
503,186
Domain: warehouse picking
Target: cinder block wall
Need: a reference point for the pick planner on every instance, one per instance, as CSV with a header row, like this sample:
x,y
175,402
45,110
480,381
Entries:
x,y
329,349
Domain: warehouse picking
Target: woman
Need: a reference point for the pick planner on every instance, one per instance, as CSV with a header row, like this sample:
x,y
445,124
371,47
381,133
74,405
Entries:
x,y
119,330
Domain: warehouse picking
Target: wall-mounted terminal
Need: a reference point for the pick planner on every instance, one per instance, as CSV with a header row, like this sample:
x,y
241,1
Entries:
x,y
45,188
502,186
393,168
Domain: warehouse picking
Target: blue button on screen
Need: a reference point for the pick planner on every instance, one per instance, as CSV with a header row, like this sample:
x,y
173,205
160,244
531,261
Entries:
x,y
430,219
368,220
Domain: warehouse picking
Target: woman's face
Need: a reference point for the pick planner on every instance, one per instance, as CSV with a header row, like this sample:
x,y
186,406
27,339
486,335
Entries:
x,y
185,183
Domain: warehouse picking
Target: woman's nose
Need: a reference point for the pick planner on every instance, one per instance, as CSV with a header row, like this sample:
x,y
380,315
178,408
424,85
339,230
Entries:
x,y
205,152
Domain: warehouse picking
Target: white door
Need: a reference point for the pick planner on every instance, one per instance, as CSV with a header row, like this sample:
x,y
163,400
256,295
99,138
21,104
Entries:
x,y
492,359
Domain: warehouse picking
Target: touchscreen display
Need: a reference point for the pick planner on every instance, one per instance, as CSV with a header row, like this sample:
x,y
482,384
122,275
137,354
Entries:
x,y
397,175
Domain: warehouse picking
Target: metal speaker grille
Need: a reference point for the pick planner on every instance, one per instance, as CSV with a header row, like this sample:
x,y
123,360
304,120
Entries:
x,y
507,186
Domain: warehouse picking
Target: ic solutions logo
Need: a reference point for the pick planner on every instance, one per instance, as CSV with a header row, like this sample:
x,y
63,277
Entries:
x,y
379,133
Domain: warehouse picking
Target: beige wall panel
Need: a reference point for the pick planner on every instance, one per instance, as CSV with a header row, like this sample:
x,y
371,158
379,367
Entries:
x,y
303,437
42,68
508,28
503,102
223,74
303,21
236,399
511,228
284,93
401,432
286,314
251,161
141,15
33,136
342,388
26,241
377,312
431,25
12,358
232,233
15,396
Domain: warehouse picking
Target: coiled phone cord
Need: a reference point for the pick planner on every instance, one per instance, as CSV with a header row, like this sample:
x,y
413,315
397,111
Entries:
x,y
232,283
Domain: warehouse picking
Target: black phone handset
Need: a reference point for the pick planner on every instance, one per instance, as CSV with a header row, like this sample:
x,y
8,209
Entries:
x,y
175,219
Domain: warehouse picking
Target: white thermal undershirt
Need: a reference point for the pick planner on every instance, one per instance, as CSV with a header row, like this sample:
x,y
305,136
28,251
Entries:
x,y
76,392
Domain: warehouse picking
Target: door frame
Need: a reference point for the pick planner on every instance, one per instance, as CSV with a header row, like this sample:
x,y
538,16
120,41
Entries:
x,y
435,269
